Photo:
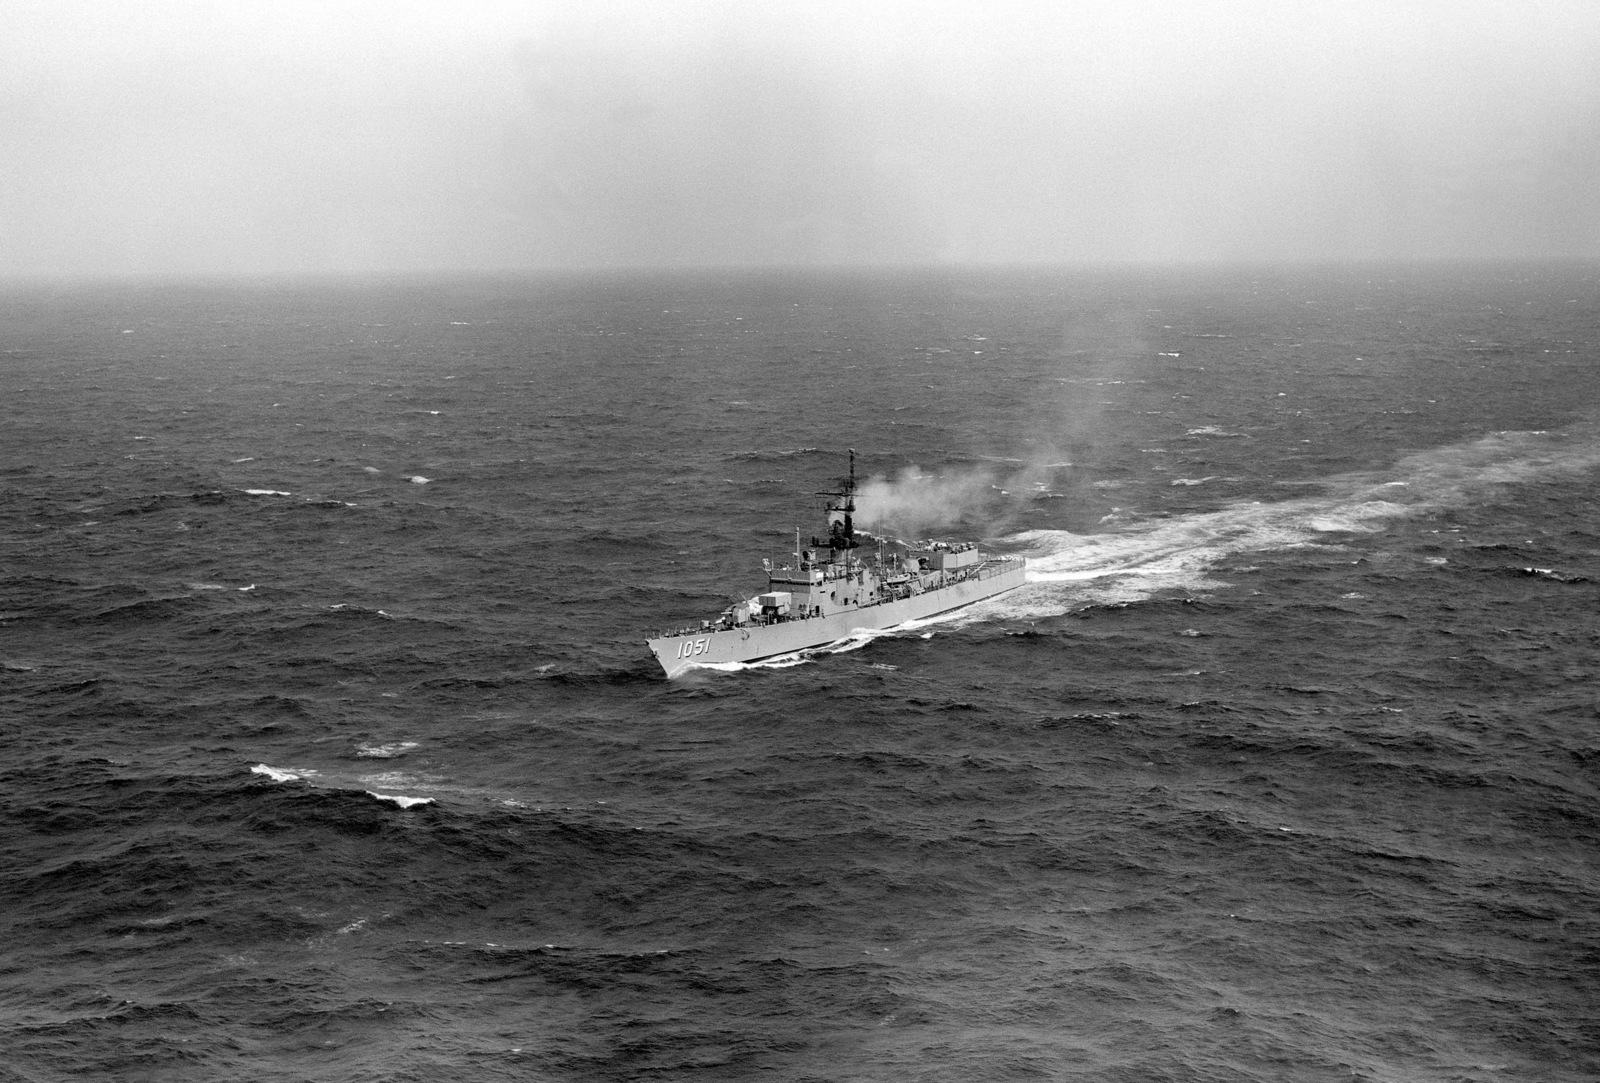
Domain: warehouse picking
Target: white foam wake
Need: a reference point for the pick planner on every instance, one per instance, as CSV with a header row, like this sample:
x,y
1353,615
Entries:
x,y
1144,558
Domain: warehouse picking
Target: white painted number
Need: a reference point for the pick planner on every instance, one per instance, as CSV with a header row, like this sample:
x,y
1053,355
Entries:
x,y
693,646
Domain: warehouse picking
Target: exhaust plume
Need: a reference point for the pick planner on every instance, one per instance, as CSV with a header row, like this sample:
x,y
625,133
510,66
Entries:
x,y
913,502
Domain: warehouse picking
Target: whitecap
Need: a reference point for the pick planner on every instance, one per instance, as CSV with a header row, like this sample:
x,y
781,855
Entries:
x,y
274,773
418,479
403,802
385,752
266,492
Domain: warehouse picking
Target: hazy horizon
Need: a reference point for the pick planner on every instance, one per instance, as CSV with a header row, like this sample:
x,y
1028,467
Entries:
x,y
399,277
183,139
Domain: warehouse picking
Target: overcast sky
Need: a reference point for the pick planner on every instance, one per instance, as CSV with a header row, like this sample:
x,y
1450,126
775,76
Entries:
x,y
144,136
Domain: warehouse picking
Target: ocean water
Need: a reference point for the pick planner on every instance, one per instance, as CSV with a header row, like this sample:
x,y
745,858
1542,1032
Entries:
x,y
333,751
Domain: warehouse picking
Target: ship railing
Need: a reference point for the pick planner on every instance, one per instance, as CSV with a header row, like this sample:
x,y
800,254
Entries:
x,y
755,621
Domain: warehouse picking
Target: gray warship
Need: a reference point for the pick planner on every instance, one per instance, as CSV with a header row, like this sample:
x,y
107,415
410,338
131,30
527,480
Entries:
x,y
830,592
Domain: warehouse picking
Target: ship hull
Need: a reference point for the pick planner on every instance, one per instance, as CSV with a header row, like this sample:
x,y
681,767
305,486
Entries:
x,y
750,643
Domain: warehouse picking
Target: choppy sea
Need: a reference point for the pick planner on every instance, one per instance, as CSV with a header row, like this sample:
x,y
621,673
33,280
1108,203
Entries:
x,y
330,748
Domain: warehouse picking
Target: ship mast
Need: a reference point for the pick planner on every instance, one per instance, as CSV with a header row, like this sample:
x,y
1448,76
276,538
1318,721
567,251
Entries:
x,y
849,507
842,532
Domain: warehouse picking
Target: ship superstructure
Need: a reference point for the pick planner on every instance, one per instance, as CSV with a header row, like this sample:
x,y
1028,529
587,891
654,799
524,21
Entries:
x,y
830,591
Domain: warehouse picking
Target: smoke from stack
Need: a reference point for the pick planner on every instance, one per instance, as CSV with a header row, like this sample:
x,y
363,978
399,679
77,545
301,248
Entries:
x,y
914,503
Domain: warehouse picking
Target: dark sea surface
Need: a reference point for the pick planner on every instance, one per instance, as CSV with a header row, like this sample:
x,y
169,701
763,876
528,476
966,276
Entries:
x,y
1284,765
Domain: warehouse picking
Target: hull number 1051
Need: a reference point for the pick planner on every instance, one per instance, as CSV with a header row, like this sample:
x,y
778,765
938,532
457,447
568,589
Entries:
x,y
692,647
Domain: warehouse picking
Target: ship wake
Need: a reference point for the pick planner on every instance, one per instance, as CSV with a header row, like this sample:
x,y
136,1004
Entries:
x,y
1141,560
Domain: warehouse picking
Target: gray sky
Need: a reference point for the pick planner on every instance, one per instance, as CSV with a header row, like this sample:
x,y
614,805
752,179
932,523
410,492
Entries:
x,y
145,136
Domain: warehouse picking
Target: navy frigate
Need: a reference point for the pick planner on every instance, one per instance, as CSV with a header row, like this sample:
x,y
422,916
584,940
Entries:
x,y
831,592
